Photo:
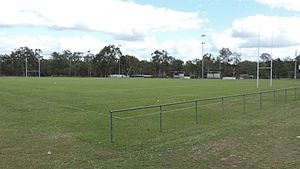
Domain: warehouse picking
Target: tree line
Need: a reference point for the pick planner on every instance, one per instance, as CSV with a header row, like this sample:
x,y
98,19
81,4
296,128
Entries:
x,y
110,60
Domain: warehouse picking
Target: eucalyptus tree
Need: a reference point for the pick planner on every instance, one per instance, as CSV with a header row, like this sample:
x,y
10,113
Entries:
x,y
24,60
130,64
161,61
236,59
224,58
88,58
106,60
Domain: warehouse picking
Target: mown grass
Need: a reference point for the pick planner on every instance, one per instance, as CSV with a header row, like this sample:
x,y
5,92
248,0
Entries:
x,y
69,117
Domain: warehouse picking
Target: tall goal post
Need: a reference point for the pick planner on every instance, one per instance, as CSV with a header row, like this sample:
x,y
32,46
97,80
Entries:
x,y
258,58
295,73
258,53
271,66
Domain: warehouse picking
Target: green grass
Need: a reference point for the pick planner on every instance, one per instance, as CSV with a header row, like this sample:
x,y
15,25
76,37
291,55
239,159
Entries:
x,y
69,117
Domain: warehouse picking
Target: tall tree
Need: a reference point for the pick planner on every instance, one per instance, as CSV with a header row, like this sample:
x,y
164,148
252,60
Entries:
x,y
265,57
22,55
224,58
130,64
88,58
161,61
265,61
2,60
76,60
106,60
177,65
236,59
209,62
157,61
61,63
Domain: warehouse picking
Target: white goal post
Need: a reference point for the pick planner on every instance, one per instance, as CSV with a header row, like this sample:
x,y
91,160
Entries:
x,y
258,58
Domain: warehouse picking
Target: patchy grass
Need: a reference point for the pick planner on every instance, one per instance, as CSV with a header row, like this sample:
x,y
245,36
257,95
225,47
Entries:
x,y
69,118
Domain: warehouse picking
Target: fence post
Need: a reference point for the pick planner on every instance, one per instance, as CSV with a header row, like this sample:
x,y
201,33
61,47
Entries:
x,y
260,100
244,102
285,95
160,118
196,111
222,108
274,97
295,93
111,126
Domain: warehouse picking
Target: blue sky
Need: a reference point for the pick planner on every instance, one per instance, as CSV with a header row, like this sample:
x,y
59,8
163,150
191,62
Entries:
x,y
141,26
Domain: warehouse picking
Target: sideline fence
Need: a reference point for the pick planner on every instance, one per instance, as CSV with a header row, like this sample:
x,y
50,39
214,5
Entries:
x,y
197,105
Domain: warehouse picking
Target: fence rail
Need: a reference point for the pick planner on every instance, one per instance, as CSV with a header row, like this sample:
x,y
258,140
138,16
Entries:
x,y
197,105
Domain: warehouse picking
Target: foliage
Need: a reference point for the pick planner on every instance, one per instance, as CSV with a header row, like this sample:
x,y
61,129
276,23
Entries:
x,y
110,60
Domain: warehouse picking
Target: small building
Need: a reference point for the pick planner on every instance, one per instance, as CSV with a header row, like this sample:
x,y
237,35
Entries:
x,y
117,76
178,74
214,75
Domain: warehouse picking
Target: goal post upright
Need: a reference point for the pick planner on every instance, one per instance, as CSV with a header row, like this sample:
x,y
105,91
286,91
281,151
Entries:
x,y
258,58
258,46
295,73
271,66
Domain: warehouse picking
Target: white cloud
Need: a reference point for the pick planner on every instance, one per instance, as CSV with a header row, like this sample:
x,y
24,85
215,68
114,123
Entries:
x,y
185,49
49,44
243,36
224,39
132,26
110,16
290,5
284,30
129,23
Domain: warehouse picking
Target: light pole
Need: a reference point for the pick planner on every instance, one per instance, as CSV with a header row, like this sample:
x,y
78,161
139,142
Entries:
x,y
295,74
119,59
26,71
257,71
202,43
39,66
89,59
119,64
38,57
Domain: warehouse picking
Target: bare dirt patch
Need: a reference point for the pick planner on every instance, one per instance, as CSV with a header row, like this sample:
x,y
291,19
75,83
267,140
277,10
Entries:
x,y
212,147
65,138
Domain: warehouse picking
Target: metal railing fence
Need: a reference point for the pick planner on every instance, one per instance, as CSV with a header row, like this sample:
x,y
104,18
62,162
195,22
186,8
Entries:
x,y
197,105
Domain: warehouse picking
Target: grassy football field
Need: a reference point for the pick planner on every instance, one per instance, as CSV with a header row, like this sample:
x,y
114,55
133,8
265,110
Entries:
x,y
64,123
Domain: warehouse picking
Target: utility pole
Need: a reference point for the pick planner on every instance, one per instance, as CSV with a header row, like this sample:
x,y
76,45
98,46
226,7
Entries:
x,y
203,35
